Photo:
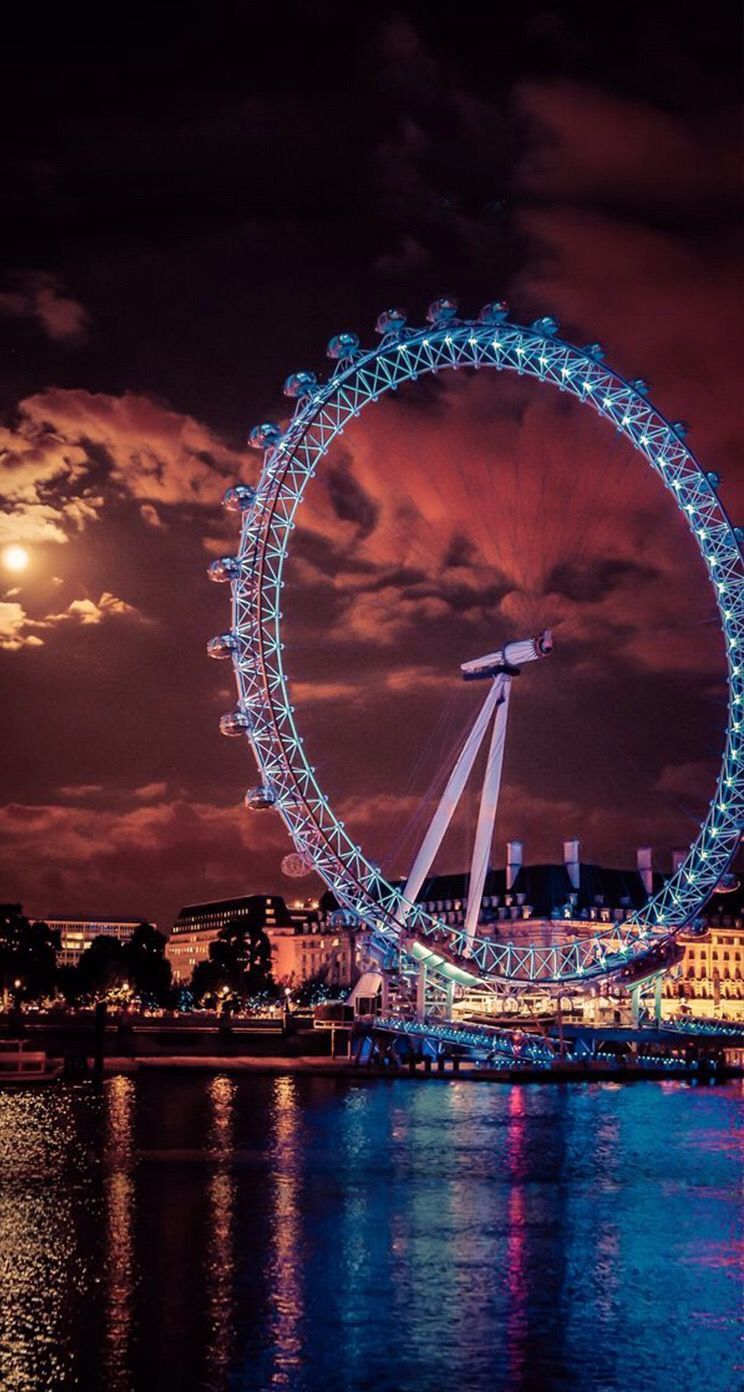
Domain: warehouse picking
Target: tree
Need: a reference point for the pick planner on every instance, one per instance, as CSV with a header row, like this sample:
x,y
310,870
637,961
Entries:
x,y
37,960
148,970
12,921
239,963
102,967
316,989
28,955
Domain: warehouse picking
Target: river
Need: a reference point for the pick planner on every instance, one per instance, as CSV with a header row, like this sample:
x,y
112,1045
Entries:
x,y
221,1232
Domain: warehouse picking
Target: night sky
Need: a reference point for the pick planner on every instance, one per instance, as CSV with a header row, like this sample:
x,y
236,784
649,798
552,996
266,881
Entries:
x,y
191,208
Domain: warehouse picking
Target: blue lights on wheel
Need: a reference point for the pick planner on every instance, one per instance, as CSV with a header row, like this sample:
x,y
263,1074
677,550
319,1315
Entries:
x,y
288,783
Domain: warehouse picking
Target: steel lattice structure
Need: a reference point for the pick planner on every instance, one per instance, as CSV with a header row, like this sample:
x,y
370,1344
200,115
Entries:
x,y
514,1046
266,715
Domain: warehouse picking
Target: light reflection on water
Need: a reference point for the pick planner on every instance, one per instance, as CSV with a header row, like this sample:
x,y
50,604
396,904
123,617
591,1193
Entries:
x,y
516,1248
219,1261
284,1268
224,1233
119,1203
39,1273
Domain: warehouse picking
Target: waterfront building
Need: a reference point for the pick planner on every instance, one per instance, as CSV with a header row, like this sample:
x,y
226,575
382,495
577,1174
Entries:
x,y
304,942
535,903
709,980
76,934
521,902
197,925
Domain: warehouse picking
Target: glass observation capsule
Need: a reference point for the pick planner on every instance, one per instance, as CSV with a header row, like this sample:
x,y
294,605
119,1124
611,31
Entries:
x,y
494,312
442,311
300,384
343,345
264,435
391,321
260,798
224,645
239,498
547,325
223,569
235,722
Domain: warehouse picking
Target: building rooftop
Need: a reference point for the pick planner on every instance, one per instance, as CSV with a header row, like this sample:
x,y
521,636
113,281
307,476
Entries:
x,y
546,888
90,918
250,905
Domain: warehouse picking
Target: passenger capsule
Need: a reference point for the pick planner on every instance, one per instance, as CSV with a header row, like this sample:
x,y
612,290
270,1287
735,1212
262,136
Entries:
x,y
264,435
344,918
713,480
547,325
300,384
442,311
595,351
494,312
258,799
391,321
224,645
342,345
681,429
235,722
223,569
639,385
739,535
239,498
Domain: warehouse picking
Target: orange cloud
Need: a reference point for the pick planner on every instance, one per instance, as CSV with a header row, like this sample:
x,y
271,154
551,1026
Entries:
x,y
19,630
16,630
152,454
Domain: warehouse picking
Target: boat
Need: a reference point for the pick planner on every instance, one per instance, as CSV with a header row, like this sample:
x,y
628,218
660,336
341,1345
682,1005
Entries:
x,y
21,1066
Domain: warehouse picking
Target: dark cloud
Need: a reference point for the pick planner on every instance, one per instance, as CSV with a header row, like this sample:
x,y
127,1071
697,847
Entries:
x,y
349,500
594,580
43,299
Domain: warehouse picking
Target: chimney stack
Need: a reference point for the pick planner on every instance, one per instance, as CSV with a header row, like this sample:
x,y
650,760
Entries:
x,y
571,862
514,861
643,861
677,859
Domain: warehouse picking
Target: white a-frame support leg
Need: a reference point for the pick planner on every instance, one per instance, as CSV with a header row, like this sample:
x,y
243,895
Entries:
x,y
454,790
487,813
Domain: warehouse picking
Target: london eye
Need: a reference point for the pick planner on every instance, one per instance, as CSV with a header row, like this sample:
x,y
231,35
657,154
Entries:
x,y
266,716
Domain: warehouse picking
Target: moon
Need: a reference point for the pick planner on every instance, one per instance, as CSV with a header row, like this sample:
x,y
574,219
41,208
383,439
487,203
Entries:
x,y
15,558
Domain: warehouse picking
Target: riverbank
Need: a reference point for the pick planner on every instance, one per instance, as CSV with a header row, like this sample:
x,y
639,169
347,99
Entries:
x,y
127,1044
466,1070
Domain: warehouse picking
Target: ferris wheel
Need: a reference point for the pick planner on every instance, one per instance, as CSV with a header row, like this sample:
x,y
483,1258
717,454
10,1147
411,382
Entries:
x,y
266,715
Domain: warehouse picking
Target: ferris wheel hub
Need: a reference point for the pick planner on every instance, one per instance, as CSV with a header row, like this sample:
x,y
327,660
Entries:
x,y
508,660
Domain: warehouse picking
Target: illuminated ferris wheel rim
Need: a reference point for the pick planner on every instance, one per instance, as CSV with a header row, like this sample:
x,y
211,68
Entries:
x,y
265,712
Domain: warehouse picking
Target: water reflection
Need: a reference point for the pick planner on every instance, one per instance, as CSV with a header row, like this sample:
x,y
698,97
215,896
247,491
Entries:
x,y
194,1233
220,1262
119,1192
473,1228
41,1273
517,1327
284,1274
